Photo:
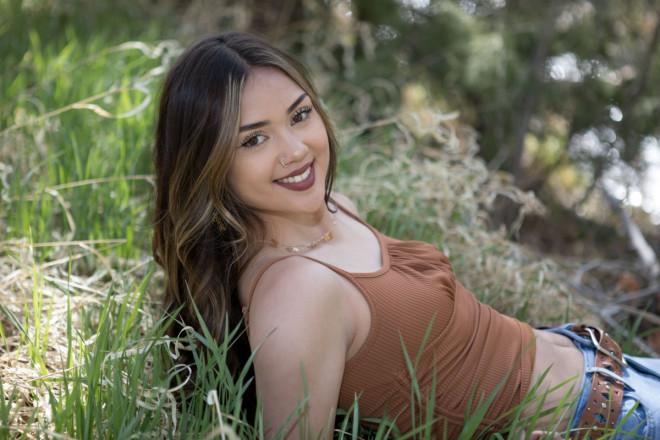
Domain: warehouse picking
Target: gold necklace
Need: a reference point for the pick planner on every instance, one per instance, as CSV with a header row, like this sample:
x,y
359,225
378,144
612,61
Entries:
x,y
295,248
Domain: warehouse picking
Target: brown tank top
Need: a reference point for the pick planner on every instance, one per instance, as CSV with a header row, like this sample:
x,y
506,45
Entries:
x,y
417,305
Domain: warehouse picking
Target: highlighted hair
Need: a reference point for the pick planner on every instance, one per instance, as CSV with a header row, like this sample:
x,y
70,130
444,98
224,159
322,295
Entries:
x,y
203,234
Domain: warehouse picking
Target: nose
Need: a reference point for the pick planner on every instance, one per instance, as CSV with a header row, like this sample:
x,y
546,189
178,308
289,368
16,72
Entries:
x,y
294,146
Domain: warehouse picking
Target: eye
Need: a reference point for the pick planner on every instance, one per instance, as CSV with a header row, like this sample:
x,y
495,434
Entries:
x,y
301,115
253,140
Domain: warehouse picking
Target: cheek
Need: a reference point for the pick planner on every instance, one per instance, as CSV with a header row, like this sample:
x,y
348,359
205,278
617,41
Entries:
x,y
248,173
235,180
320,134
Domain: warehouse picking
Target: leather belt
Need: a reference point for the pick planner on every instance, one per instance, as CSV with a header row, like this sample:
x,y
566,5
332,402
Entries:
x,y
604,403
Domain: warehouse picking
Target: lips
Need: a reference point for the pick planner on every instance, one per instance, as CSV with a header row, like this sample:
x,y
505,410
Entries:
x,y
299,180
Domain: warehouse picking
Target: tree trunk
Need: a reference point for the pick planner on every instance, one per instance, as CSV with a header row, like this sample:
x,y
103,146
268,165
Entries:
x,y
531,99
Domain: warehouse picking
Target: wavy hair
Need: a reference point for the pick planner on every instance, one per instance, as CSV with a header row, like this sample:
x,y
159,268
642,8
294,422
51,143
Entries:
x,y
203,234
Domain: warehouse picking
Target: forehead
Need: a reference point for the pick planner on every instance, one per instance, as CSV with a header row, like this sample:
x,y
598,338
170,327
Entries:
x,y
267,90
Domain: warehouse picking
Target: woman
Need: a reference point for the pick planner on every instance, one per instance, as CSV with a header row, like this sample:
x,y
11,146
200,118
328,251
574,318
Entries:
x,y
249,231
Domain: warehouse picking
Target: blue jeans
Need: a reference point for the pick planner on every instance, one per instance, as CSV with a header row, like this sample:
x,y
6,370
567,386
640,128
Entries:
x,y
640,410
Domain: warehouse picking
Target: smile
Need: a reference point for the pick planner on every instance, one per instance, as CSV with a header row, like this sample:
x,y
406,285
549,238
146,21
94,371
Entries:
x,y
298,178
301,179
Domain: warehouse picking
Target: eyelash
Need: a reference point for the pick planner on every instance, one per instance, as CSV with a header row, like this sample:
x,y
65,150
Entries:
x,y
250,137
302,110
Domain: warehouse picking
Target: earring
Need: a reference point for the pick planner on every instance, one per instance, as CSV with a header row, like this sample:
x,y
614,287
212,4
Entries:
x,y
218,221
283,161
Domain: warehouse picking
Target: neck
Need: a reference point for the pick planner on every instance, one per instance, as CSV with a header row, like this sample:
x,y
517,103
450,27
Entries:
x,y
303,234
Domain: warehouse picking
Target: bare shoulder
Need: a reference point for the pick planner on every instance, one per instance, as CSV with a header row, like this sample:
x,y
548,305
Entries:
x,y
293,294
299,329
345,202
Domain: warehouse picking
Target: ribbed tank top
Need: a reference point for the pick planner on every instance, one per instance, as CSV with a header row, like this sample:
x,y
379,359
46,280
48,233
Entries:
x,y
470,349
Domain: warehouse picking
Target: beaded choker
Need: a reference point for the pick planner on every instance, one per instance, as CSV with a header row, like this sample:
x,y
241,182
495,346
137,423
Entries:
x,y
295,248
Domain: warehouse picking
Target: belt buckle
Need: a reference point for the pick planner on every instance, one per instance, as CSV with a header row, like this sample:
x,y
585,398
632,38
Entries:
x,y
592,334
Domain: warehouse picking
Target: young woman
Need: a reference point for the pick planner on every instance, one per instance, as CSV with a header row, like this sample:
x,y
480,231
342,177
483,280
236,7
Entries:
x,y
250,233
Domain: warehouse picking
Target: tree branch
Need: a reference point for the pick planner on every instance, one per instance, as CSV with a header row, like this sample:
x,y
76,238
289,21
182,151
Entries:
x,y
646,254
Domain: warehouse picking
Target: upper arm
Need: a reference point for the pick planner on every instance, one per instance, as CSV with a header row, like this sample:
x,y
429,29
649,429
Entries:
x,y
298,327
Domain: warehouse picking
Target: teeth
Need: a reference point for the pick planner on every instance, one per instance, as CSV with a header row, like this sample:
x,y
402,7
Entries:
x,y
298,178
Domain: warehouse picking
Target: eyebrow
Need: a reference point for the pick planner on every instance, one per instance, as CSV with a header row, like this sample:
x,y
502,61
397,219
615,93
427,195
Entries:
x,y
263,123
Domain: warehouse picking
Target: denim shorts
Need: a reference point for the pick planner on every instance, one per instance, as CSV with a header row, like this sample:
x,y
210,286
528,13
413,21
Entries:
x,y
640,410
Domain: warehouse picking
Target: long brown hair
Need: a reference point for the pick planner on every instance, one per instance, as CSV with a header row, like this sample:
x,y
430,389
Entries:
x,y
203,234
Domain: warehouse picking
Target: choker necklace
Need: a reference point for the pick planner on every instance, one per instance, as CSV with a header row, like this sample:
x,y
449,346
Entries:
x,y
295,248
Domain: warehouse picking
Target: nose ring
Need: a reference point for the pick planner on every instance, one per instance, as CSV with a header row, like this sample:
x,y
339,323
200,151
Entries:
x,y
283,161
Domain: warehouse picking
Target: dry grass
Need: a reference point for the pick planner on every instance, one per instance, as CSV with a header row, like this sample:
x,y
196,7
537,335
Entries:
x,y
49,312
429,187
413,174
438,190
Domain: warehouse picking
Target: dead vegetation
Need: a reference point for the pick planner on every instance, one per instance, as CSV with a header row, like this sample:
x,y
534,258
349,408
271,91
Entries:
x,y
414,174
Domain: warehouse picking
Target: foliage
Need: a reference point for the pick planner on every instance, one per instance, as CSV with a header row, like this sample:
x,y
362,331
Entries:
x,y
549,86
82,354
76,116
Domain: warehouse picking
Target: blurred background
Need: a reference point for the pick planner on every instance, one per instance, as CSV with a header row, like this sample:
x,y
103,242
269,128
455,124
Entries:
x,y
563,95
502,131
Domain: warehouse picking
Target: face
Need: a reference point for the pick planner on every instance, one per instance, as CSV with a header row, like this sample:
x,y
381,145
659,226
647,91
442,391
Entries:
x,y
278,122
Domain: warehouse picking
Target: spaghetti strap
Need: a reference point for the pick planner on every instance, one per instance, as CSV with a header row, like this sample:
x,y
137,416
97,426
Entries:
x,y
253,286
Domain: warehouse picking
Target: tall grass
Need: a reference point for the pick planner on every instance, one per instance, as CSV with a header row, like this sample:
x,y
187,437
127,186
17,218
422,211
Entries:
x,y
82,353
75,125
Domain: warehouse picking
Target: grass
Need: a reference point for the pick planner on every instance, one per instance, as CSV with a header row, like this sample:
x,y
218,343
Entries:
x,y
82,354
